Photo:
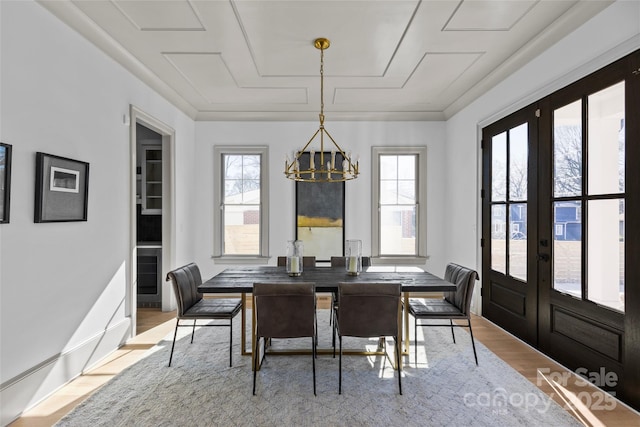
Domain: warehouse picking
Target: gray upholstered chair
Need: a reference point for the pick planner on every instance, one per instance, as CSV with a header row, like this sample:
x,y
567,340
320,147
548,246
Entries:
x,y
340,261
192,306
284,310
369,310
307,261
456,305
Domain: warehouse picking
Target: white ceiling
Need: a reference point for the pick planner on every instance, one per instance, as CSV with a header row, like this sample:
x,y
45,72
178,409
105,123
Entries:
x,y
388,60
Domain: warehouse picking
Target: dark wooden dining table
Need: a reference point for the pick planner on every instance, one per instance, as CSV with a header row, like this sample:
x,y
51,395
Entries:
x,y
240,280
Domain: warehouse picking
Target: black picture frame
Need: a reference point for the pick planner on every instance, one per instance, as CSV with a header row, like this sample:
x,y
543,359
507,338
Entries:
x,y
320,213
5,182
62,189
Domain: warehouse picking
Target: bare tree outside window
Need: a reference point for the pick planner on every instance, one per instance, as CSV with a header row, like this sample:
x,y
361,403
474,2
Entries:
x,y
567,160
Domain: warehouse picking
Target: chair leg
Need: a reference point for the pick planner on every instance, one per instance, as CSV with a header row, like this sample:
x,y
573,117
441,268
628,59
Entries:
x,y
331,308
415,342
340,367
193,331
333,340
473,343
452,334
231,342
313,357
174,341
398,363
255,363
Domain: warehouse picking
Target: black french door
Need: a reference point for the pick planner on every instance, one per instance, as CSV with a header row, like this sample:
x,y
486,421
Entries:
x,y
509,228
561,226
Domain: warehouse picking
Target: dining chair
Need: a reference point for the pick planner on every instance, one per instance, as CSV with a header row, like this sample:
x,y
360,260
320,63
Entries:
x,y
192,305
455,305
340,261
369,310
307,261
284,310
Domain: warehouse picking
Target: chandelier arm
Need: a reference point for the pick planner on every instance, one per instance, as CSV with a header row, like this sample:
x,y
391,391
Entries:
x,y
306,145
352,165
340,150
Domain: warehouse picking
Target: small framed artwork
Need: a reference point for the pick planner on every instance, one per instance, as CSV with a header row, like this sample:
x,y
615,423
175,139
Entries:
x,y
62,189
5,182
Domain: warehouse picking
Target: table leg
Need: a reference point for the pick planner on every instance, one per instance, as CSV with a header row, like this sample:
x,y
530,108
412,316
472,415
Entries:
x,y
243,333
400,333
407,338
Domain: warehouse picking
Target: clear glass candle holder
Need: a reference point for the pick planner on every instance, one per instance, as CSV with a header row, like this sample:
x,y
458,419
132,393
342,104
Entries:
x,y
294,257
353,257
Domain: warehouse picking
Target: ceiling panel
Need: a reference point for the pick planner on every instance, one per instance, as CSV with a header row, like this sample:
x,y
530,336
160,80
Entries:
x,y
388,60
160,16
490,15
364,35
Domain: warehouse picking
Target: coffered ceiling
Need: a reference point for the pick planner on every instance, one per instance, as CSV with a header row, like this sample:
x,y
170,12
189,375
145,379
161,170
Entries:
x,y
388,60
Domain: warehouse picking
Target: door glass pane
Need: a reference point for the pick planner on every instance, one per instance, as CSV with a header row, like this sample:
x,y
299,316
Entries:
x,y
518,159
567,247
518,241
499,167
154,171
397,230
605,252
567,150
498,238
606,140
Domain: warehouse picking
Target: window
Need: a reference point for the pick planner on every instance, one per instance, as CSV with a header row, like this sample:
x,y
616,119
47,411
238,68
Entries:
x,y
399,221
241,200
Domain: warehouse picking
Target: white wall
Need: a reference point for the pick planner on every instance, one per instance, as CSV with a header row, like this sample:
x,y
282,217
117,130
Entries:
x,y
605,38
63,286
282,138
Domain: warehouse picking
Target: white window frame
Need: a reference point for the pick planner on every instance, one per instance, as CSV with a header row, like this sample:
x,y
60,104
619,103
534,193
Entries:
x,y
218,193
421,205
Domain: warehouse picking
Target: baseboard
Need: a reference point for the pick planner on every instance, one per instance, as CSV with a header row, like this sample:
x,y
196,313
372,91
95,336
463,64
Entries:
x,y
31,387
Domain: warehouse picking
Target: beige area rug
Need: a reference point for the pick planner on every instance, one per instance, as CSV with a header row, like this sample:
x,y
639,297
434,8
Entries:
x,y
446,388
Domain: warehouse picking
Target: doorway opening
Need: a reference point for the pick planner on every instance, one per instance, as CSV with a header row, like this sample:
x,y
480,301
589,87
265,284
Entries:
x,y
152,234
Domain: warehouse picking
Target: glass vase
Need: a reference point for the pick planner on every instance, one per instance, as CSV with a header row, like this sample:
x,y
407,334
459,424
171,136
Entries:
x,y
353,257
294,257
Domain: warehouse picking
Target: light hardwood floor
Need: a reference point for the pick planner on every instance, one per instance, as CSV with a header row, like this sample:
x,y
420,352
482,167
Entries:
x,y
583,401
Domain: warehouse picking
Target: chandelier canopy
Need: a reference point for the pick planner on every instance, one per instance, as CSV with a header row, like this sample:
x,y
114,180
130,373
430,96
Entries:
x,y
332,165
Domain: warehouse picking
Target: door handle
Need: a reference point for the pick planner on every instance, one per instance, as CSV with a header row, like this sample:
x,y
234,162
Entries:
x,y
543,257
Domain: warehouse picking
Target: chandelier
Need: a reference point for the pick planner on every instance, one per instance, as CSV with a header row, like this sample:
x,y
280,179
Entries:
x,y
333,165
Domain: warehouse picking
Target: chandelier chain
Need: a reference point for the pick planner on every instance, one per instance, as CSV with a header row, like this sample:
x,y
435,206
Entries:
x,y
322,85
